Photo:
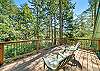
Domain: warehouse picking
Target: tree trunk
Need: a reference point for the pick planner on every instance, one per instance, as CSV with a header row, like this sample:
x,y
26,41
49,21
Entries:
x,y
49,31
54,30
94,18
60,21
37,29
51,22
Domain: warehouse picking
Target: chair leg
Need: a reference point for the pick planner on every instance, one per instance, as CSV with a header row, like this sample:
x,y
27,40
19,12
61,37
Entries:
x,y
64,69
44,65
50,69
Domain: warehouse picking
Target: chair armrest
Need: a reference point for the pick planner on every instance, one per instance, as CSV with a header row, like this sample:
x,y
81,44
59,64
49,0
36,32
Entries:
x,y
62,55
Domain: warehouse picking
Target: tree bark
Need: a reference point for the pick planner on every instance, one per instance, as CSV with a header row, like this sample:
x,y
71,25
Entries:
x,y
60,21
54,30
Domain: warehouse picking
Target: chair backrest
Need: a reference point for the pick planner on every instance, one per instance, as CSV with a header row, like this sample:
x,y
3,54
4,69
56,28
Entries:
x,y
77,45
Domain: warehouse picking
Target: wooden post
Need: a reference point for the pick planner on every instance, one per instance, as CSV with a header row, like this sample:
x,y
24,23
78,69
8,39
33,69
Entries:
x,y
37,44
99,45
1,53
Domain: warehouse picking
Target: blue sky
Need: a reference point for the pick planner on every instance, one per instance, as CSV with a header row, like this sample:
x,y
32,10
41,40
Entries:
x,y
20,2
81,5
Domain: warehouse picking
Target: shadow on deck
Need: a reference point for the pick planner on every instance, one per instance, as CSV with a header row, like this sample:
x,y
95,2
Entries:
x,y
87,59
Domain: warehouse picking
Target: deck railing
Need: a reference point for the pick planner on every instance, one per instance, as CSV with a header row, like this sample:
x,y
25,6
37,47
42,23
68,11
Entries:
x,y
88,44
15,49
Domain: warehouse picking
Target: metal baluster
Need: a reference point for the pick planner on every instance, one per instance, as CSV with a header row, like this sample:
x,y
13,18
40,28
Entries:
x,y
12,50
15,50
27,47
6,49
81,44
86,44
21,48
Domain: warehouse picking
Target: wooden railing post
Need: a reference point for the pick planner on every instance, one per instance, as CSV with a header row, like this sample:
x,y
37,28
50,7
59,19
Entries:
x,y
37,44
99,45
1,53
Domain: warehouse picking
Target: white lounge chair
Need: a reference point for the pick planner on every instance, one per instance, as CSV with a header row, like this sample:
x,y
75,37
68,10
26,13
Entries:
x,y
61,60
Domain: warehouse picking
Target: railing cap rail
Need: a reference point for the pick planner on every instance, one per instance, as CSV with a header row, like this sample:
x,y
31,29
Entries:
x,y
18,41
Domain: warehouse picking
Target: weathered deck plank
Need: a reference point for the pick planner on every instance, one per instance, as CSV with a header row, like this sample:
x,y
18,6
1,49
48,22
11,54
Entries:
x,y
94,61
90,64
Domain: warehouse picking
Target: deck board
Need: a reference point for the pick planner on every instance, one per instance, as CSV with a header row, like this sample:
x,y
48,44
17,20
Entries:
x,y
95,63
87,59
90,64
84,61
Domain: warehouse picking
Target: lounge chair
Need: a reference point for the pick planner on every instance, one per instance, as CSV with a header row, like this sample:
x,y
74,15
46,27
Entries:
x,y
56,64
61,60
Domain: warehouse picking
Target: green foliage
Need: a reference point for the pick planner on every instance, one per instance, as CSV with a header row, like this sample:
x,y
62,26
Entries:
x,y
16,23
26,24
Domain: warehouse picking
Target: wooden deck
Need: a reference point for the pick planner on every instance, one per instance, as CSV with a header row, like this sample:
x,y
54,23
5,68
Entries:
x,y
87,59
